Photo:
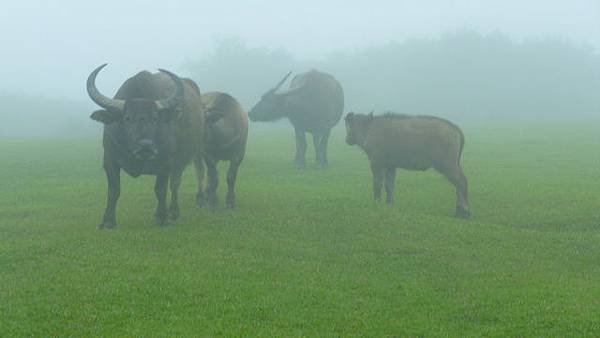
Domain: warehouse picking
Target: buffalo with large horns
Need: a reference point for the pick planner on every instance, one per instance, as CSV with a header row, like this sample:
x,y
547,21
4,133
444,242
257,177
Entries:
x,y
154,125
314,103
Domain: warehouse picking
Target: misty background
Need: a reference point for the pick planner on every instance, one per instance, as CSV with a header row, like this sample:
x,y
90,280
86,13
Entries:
x,y
464,60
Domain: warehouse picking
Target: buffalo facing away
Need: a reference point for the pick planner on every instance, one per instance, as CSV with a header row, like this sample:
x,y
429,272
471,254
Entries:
x,y
409,142
314,103
226,137
153,126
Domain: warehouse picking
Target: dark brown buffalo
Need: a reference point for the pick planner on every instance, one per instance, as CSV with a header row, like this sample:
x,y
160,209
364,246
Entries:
x,y
153,126
226,137
314,103
410,142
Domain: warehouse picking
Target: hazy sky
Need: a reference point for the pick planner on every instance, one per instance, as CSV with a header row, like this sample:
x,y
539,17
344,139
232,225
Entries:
x,y
49,47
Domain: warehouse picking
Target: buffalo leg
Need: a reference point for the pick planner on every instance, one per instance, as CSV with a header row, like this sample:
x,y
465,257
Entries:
x,y
300,148
160,190
390,182
317,144
231,178
323,149
213,183
455,175
199,164
175,182
113,177
377,180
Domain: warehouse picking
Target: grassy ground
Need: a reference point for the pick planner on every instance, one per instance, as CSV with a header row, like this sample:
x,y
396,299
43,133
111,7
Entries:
x,y
307,253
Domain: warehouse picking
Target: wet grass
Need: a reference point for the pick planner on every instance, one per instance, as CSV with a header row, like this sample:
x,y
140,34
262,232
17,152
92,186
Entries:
x,y
307,253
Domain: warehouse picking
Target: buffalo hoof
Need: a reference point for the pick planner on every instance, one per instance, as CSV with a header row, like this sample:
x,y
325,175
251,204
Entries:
x,y
106,225
200,200
174,214
230,203
162,221
213,202
462,213
301,165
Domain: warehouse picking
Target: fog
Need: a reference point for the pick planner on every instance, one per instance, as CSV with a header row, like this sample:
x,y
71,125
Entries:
x,y
461,59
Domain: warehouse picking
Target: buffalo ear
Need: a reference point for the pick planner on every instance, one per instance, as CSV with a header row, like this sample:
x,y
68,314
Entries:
x,y
104,116
213,117
349,117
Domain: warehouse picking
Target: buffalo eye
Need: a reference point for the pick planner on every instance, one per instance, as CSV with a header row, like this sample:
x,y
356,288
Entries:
x,y
128,119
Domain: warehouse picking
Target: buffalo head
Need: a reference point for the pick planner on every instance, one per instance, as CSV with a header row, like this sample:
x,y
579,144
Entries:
x,y
357,126
271,105
136,122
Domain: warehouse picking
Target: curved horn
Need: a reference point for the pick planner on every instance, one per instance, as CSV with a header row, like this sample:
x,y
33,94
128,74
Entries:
x,y
101,100
282,81
176,98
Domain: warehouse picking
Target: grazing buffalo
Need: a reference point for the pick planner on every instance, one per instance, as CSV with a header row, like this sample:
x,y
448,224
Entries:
x,y
153,126
226,137
313,103
410,142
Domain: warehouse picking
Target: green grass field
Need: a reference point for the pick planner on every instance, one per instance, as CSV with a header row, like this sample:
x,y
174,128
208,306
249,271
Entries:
x,y
307,253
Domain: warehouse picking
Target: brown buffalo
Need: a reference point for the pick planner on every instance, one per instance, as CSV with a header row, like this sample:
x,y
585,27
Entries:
x,y
226,137
154,125
409,142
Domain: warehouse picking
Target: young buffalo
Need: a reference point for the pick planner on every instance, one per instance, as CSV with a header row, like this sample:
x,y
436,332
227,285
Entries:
x,y
409,142
226,137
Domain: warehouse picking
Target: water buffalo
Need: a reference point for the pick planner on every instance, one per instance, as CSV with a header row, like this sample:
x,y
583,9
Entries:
x,y
313,103
409,142
226,137
154,125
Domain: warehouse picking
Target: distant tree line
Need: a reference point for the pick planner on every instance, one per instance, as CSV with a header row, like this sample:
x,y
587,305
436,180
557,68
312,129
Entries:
x,y
27,115
463,75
